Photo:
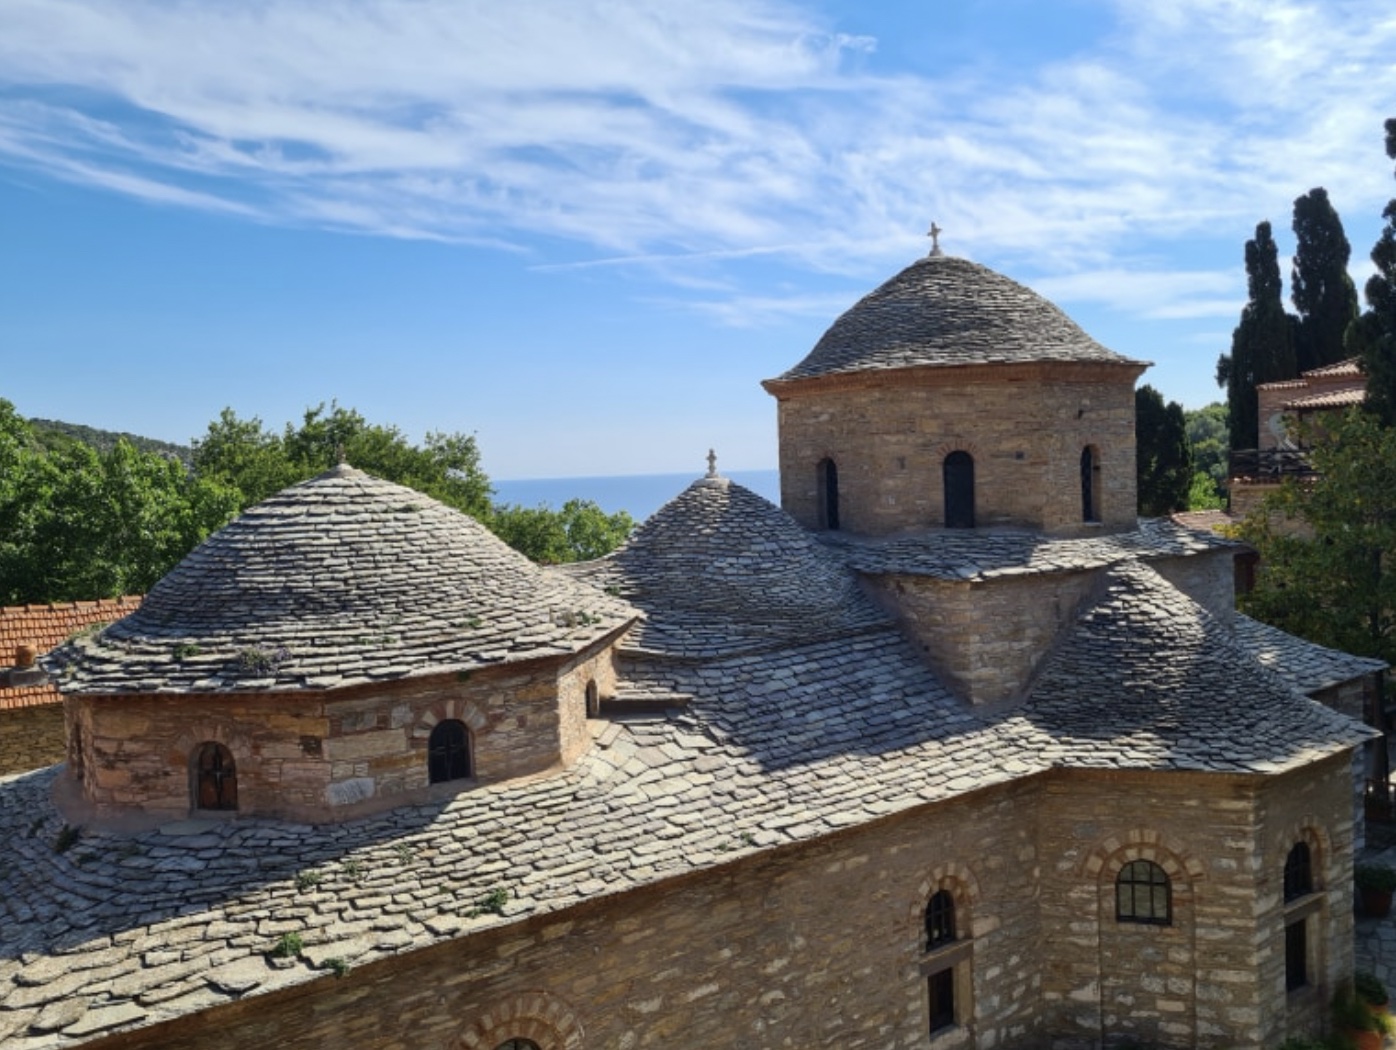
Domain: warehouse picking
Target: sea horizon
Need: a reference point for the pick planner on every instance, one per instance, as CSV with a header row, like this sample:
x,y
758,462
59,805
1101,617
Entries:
x,y
639,495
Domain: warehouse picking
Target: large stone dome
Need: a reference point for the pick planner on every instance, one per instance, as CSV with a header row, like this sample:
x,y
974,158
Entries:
x,y
339,580
944,311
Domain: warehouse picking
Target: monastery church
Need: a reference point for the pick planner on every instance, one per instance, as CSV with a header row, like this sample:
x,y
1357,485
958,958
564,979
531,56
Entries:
x,y
950,751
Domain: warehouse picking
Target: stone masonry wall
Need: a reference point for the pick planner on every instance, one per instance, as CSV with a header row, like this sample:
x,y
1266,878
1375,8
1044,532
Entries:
x,y
1208,578
821,945
1024,426
1215,976
319,756
985,639
30,737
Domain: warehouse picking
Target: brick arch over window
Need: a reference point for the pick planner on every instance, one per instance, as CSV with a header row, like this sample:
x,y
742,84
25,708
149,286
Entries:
x,y
191,742
446,710
1309,830
963,888
536,1016
1104,864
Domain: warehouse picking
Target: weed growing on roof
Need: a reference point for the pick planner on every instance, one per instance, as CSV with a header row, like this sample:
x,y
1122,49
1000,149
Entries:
x,y
491,903
288,946
257,660
67,838
354,869
184,650
307,880
337,965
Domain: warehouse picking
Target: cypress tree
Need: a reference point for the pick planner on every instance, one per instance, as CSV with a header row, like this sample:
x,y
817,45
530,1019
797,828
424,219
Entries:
x,y
1163,457
1376,330
1262,345
1323,293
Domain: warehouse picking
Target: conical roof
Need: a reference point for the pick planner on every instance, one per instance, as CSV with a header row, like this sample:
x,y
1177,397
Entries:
x,y
1147,678
339,580
719,569
946,311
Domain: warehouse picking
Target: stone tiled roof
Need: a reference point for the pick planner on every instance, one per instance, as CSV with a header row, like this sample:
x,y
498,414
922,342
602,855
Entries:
x,y
339,580
730,572
1149,674
757,749
1306,666
45,626
943,311
981,554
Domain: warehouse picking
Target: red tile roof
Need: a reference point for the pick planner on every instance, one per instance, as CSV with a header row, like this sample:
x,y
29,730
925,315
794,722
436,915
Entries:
x,y
44,627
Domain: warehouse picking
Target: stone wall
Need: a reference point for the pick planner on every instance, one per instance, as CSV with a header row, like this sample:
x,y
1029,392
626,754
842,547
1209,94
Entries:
x,y
330,755
1024,426
985,638
30,737
1208,578
822,944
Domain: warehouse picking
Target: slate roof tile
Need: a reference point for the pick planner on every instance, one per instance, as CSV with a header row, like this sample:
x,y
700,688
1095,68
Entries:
x,y
946,311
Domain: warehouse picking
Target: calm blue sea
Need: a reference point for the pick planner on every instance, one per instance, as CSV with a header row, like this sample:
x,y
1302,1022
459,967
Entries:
x,y
640,495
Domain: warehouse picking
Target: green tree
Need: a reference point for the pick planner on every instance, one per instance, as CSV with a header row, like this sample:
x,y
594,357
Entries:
x,y
1163,459
1324,296
257,462
1333,580
580,531
1203,493
1207,437
1375,334
1262,345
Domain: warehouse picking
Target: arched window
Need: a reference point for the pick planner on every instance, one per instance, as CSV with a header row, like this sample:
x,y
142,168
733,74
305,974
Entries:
x,y
828,494
958,476
448,752
945,963
593,700
1143,894
940,920
216,778
1298,884
517,1044
1090,484
1299,872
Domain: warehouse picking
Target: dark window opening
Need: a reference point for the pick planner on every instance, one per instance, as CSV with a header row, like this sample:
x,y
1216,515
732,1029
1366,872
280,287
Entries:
x,y
828,494
517,1044
448,752
593,700
1296,955
958,476
217,786
1299,873
1090,484
940,920
1142,894
941,989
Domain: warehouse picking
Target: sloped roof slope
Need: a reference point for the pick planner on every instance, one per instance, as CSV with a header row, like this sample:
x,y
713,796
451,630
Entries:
x,y
339,580
1305,665
943,311
1150,675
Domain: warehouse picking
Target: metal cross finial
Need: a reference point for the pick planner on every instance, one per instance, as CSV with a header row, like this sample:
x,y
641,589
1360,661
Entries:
x,y
934,235
712,463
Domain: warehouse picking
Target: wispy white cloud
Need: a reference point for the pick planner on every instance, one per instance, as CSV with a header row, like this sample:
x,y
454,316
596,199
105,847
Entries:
x,y
674,135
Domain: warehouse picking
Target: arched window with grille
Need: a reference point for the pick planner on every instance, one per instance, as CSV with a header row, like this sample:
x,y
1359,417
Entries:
x,y
945,961
1299,872
957,475
448,752
940,920
1090,484
828,494
215,778
1143,894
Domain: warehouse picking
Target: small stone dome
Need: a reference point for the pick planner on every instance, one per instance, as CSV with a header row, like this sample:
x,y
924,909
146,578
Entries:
x,y
944,311
720,568
339,580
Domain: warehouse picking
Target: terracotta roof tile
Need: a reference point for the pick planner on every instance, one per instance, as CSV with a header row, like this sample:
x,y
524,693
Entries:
x,y
44,627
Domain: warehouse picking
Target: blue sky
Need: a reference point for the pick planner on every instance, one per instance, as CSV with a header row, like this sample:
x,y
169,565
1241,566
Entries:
x,y
585,231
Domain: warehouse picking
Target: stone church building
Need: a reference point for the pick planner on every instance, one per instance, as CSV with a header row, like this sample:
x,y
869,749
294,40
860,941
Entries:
x,y
950,752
